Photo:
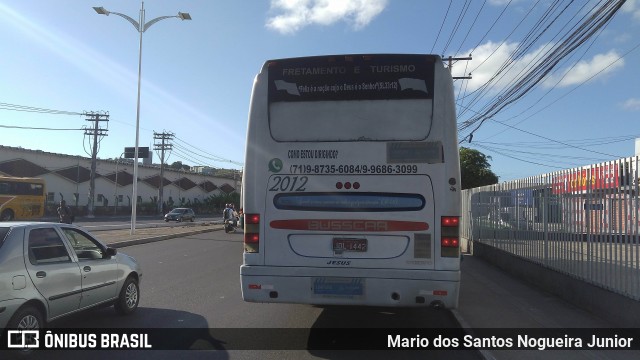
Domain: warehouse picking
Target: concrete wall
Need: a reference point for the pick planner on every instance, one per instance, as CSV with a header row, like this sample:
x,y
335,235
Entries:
x,y
62,187
620,310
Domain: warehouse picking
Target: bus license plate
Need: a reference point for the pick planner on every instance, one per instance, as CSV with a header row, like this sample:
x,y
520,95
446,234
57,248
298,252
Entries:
x,y
332,286
349,244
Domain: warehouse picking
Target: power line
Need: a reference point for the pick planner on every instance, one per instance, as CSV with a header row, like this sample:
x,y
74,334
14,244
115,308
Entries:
x,y
532,78
210,156
516,158
441,25
463,13
551,145
559,98
544,137
471,27
38,128
24,108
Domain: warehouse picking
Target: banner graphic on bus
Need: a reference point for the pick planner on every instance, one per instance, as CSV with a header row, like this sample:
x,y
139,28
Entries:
x,y
354,77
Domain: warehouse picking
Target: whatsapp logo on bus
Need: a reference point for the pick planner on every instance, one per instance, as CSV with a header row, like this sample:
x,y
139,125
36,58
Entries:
x,y
275,165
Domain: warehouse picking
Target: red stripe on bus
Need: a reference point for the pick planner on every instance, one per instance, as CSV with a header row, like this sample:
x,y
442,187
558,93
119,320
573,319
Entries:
x,y
349,225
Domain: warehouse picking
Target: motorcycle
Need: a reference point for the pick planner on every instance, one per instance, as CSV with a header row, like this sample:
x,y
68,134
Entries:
x,y
230,225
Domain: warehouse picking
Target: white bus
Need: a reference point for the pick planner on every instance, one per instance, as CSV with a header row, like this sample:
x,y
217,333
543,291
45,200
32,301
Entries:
x,y
352,183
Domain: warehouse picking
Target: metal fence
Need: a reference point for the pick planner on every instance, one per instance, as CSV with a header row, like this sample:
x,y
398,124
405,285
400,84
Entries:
x,y
583,222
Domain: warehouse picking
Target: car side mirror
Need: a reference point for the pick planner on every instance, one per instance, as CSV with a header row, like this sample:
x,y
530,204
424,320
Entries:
x,y
111,252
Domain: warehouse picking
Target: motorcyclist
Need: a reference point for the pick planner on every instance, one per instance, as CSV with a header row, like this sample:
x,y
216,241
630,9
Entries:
x,y
229,214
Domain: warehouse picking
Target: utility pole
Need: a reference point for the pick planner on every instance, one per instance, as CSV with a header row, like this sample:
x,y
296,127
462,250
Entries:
x,y
450,60
164,138
96,131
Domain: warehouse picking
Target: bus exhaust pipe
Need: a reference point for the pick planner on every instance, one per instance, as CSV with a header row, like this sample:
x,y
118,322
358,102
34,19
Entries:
x,y
437,304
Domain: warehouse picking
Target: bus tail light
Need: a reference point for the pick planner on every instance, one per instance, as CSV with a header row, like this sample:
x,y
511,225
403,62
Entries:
x,y
450,221
251,233
450,236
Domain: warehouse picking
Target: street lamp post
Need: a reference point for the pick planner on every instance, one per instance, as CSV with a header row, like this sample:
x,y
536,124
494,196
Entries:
x,y
115,190
141,26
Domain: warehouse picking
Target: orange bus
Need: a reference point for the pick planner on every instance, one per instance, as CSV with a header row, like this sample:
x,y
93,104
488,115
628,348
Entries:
x,y
21,198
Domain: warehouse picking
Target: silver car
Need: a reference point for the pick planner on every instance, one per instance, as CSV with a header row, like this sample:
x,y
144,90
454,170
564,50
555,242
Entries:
x,y
180,214
50,270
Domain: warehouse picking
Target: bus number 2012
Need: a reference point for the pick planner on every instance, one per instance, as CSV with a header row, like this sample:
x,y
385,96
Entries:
x,y
288,183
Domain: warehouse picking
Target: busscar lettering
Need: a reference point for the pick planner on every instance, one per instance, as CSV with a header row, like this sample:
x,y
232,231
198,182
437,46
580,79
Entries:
x,y
347,225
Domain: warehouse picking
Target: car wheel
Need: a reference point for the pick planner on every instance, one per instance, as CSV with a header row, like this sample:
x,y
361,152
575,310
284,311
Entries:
x,y
166,220
193,219
7,215
129,297
180,219
27,318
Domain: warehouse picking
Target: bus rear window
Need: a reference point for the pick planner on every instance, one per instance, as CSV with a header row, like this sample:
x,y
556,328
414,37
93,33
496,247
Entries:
x,y
364,120
349,202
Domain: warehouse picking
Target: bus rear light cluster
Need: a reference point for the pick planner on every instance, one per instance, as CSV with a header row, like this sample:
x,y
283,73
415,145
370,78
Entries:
x,y
450,236
251,233
450,221
450,242
347,185
252,238
252,218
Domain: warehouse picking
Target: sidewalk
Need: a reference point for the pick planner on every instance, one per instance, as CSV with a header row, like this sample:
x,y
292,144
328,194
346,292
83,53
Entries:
x,y
491,298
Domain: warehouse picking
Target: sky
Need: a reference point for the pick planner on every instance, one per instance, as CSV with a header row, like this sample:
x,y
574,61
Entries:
x,y
60,59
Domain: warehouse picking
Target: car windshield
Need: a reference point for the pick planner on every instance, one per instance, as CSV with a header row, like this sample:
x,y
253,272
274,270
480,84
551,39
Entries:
x,y
178,211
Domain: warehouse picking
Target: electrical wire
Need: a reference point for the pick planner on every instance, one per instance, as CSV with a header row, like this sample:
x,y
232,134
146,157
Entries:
x,y
463,13
587,29
24,108
441,25
206,155
39,128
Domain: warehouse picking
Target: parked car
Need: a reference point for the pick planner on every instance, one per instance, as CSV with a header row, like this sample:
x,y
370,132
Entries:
x,y
180,214
51,270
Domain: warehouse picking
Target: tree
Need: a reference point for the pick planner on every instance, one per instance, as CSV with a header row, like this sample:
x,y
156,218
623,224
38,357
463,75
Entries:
x,y
178,165
475,169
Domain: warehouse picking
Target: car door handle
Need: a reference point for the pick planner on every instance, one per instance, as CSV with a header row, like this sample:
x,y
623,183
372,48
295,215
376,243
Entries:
x,y
41,274
86,268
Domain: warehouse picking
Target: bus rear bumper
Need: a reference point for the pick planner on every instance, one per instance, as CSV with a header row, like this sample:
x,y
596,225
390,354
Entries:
x,y
321,286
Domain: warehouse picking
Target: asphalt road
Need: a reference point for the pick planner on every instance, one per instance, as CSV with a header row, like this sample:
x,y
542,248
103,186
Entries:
x,y
193,282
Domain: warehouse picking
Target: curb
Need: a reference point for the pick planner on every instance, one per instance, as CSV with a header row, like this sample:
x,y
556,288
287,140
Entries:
x,y
125,243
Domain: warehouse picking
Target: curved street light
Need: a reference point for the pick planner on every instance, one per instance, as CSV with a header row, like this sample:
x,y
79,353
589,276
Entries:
x,y
141,26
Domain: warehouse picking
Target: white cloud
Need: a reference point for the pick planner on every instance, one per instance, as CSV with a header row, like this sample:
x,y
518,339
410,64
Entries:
x,y
632,7
499,2
490,57
487,60
600,64
294,15
631,104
